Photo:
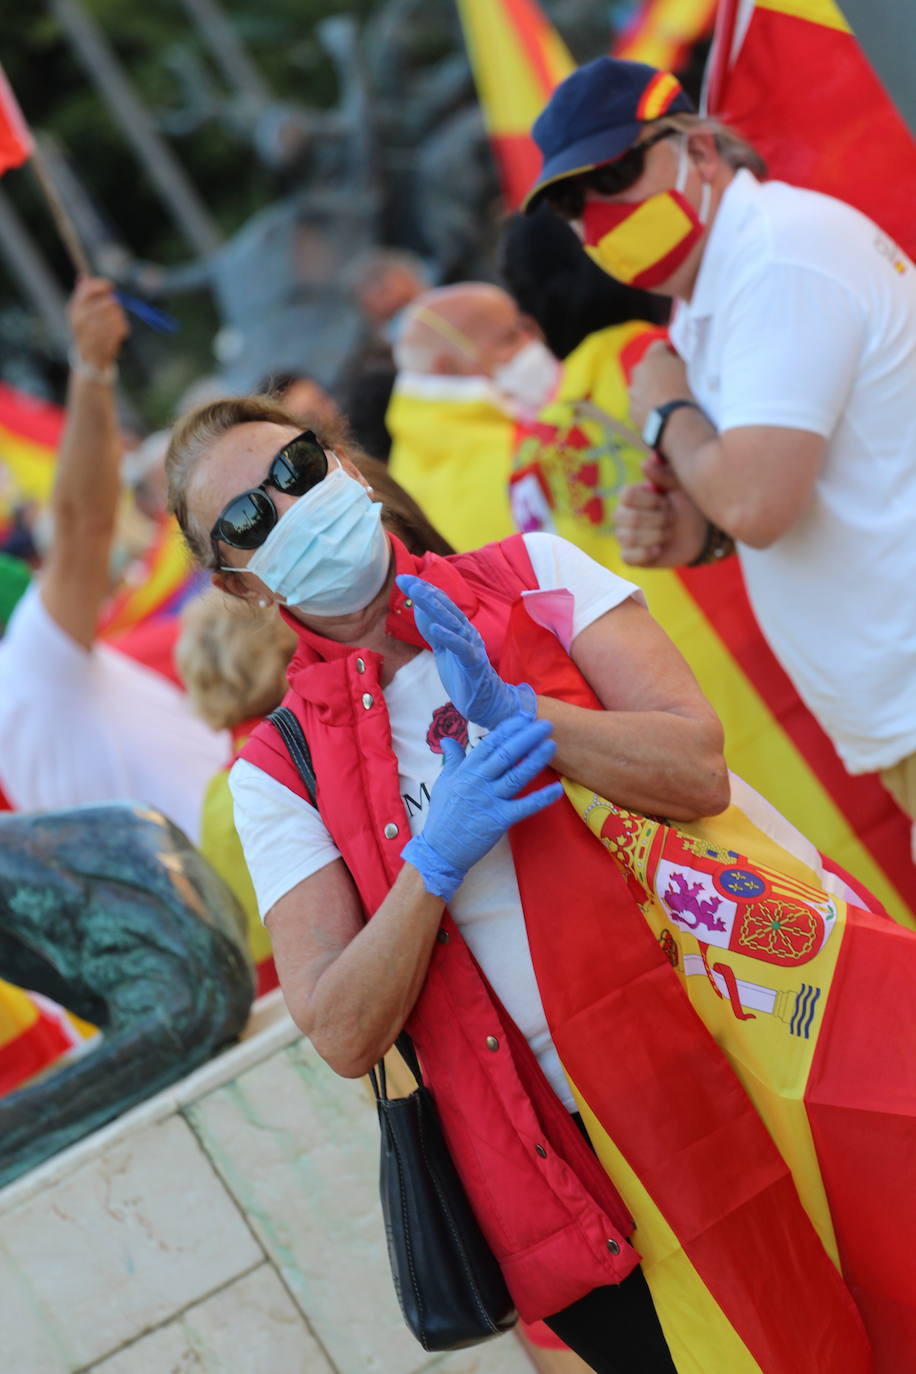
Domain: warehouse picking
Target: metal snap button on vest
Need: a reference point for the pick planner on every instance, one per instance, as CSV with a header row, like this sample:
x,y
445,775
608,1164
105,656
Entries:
x,y
408,603
367,699
391,831
360,665
613,1247
539,1150
492,1042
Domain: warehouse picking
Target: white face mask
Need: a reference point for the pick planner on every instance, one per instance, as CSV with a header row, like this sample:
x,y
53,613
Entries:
x,y
328,554
530,377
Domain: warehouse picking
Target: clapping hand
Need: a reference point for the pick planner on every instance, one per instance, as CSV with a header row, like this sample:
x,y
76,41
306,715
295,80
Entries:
x,y
474,800
473,684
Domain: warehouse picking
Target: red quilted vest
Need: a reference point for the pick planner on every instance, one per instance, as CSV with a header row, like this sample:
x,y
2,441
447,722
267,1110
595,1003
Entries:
x,y
554,1220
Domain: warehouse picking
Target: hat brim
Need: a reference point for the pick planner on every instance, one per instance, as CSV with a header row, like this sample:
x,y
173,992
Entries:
x,y
583,156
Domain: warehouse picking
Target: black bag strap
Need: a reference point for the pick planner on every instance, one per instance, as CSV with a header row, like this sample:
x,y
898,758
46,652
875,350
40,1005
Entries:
x,y
287,724
290,730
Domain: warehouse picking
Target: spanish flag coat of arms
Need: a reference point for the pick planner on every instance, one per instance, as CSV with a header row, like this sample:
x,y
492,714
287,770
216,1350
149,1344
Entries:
x,y
736,1020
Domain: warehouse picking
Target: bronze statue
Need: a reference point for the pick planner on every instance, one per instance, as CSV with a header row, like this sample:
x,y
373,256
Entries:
x,y
111,911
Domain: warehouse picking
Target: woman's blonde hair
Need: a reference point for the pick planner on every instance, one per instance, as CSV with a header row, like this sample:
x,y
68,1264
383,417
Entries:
x,y
734,150
233,658
196,432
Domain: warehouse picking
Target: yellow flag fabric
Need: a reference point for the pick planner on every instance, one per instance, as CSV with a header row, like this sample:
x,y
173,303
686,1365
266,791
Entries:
x,y
663,32
517,58
451,449
569,468
221,846
30,431
34,1032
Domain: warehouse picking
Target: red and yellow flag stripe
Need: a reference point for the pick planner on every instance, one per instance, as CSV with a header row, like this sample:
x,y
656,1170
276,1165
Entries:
x,y
517,58
662,33
736,1029
30,432
163,579
34,1032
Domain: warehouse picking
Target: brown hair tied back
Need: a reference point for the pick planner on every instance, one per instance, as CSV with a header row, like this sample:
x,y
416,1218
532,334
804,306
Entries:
x,y
195,434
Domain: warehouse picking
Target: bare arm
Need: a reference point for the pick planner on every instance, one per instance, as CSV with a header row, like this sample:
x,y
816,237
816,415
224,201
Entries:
x,y
657,746
753,481
351,986
87,484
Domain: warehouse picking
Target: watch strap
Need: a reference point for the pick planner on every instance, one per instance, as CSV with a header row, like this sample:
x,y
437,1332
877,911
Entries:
x,y
664,413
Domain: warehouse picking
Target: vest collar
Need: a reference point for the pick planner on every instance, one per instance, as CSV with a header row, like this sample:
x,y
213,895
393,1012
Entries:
x,y
441,572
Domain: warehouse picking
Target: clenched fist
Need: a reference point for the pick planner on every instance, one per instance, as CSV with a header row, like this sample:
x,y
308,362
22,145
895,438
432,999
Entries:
x,y
98,322
658,526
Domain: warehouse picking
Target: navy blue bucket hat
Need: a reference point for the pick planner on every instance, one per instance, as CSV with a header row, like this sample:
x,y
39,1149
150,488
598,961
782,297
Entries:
x,y
596,114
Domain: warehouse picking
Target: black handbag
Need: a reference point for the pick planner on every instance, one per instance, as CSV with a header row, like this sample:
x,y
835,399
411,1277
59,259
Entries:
x,y
450,1287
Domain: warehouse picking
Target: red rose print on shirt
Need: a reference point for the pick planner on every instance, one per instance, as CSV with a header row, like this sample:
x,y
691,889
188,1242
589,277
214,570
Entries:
x,y
447,720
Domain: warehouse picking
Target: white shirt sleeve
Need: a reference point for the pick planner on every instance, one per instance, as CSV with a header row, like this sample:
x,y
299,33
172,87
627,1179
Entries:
x,y
792,341
595,589
55,744
283,836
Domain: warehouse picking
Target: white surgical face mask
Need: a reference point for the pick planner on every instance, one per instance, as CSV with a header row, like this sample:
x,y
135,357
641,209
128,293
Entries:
x,y
530,377
328,554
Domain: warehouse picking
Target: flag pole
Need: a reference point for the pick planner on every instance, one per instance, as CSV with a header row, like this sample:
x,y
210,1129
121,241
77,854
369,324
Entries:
x,y
720,56
60,214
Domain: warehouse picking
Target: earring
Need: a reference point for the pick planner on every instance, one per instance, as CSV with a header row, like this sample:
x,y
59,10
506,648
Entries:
x,y
263,602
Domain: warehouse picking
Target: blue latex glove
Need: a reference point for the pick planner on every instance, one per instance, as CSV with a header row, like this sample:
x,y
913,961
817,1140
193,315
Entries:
x,y
471,804
467,674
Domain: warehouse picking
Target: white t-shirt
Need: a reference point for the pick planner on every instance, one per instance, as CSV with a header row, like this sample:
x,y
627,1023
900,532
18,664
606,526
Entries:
x,y
804,316
285,839
80,726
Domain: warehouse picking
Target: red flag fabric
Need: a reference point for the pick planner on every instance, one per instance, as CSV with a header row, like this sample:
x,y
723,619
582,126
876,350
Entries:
x,y
790,76
15,140
734,1026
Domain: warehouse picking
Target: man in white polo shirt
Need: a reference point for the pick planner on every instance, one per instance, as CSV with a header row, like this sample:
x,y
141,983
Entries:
x,y
786,421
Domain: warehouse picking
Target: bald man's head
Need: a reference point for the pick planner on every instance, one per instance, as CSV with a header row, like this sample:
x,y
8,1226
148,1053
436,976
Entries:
x,y
469,330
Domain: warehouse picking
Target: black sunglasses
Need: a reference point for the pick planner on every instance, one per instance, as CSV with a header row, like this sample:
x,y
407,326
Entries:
x,y
568,197
249,518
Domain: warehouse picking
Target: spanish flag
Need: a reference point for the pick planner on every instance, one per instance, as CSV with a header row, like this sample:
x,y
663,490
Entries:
x,y
736,1020
790,76
451,449
30,432
158,585
568,471
34,1032
517,58
662,33
15,139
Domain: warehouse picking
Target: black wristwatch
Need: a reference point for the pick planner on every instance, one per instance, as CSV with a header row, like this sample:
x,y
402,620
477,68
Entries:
x,y
657,419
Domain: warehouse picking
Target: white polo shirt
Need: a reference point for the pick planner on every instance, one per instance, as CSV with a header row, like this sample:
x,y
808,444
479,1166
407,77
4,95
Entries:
x,y
804,316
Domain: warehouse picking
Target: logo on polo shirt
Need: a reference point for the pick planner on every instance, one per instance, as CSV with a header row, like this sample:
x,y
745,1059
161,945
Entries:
x,y
889,250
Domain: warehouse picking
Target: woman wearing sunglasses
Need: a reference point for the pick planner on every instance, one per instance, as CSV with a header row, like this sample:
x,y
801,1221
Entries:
x,y
403,896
